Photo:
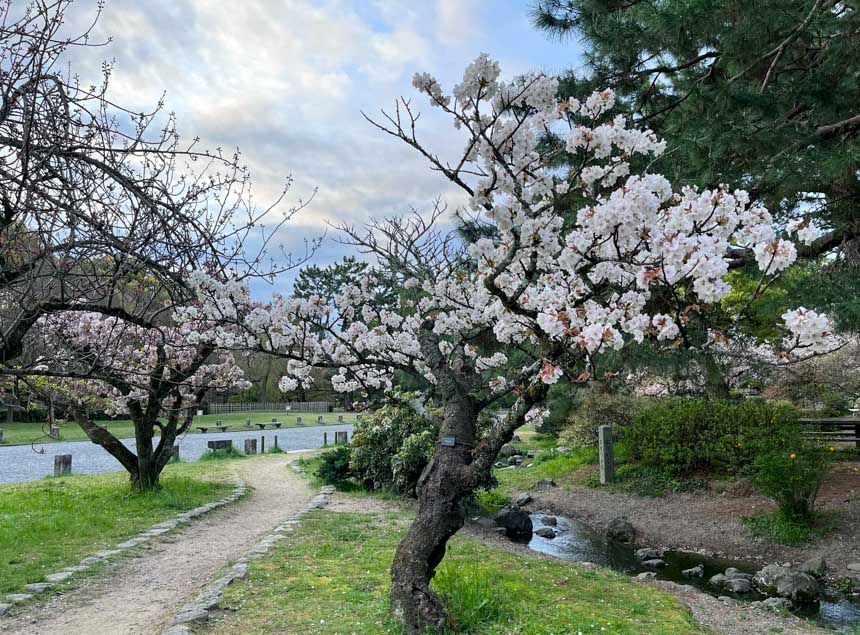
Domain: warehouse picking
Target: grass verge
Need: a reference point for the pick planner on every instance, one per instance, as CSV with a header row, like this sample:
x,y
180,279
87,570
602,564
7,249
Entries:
x,y
778,527
53,523
331,577
22,432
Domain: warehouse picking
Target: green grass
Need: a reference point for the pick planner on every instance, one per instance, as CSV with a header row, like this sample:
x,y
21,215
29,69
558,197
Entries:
x,y
122,428
547,465
643,480
781,528
331,577
53,523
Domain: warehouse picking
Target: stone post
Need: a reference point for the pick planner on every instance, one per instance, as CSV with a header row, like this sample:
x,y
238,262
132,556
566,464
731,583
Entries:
x,y
607,461
340,437
250,446
62,464
247,423
55,431
340,418
298,419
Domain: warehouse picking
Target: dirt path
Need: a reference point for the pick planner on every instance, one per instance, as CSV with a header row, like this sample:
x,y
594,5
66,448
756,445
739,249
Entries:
x,y
140,595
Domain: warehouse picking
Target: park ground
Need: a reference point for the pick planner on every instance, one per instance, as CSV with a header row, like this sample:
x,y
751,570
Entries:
x,y
28,432
329,577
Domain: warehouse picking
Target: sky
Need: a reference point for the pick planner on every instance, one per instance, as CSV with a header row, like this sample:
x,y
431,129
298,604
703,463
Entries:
x,y
286,82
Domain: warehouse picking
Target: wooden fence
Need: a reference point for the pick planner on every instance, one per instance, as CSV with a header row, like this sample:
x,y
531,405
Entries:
x,y
270,406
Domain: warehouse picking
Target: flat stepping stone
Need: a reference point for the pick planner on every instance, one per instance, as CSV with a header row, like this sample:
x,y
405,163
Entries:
x,y
18,598
194,615
855,567
4,608
38,587
62,576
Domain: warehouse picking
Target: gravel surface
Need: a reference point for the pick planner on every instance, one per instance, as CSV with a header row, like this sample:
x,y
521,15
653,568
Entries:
x,y
140,596
19,463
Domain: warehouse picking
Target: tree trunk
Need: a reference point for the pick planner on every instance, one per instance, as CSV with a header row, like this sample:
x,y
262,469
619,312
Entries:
x,y
442,490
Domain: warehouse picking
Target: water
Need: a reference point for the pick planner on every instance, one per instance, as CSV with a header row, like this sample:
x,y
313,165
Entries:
x,y
576,542
20,463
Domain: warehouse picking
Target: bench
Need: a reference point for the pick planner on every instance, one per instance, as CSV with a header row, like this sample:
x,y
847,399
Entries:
x,y
203,429
262,426
835,429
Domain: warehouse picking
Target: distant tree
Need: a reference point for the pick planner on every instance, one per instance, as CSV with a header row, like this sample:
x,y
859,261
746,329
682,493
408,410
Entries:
x,y
763,94
326,282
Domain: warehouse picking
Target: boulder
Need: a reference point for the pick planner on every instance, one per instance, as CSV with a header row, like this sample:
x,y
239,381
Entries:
x,y
484,523
855,567
646,575
552,521
816,567
516,438
737,574
647,554
622,530
654,563
717,580
522,499
515,522
544,484
507,450
725,599
800,588
738,585
533,453
546,532
772,604
695,572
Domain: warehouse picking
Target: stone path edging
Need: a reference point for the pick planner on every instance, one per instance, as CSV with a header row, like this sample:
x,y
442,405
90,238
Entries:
x,y
159,529
199,610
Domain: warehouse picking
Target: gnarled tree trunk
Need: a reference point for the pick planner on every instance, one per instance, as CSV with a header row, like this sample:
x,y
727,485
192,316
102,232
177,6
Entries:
x,y
442,489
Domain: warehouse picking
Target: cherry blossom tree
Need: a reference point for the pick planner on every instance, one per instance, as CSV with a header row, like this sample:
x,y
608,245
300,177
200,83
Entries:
x,y
157,376
641,261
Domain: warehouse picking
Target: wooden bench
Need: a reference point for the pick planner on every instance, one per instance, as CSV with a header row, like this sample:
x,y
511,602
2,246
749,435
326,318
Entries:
x,y
203,429
835,429
262,426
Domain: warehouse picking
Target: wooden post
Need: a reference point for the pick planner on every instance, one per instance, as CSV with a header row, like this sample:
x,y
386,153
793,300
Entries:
x,y
250,446
607,460
325,438
319,419
856,435
298,420
340,418
62,464
262,445
247,423
276,441
1,435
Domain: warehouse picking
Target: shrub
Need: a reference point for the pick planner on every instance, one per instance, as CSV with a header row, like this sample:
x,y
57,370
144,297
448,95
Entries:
x,y
229,452
680,435
791,476
334,466
391,447
597,410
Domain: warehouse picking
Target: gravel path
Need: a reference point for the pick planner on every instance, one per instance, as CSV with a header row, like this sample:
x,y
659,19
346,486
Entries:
x,y
139,596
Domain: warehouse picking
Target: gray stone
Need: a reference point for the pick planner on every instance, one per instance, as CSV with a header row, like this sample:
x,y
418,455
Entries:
x,y
854,566
646,575
773,604
738,585
725,599
654,563
800,588
62,576
128,544
545,532
515,521
107,553
522,499
695,572
18,598
544,484
178,629
91,560
4,608
484,522
816,567
734,574
647,554
194,614
533,453
622,530
38,587
717,580
552,521
562,449
516,438
507,450
239,571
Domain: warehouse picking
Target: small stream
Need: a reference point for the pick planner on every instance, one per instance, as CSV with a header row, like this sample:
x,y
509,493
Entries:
x,y
576,542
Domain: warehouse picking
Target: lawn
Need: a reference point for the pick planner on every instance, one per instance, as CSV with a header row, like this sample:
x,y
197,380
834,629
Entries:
x,y
53,523
122,428
331,577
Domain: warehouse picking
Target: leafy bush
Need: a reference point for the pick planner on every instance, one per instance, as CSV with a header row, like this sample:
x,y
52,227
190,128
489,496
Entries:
x,y
791,476
493,500
599,409
787,530
334,466
391,447
679,435
229,452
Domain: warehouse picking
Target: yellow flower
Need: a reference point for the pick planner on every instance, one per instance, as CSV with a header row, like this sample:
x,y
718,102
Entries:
x,y
792,456
855,470
832,449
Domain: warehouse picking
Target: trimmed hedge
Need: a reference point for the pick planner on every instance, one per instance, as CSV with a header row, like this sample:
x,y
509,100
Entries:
x,y
680,435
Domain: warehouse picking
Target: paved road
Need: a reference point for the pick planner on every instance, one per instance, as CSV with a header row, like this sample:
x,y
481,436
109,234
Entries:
x,y
20,463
